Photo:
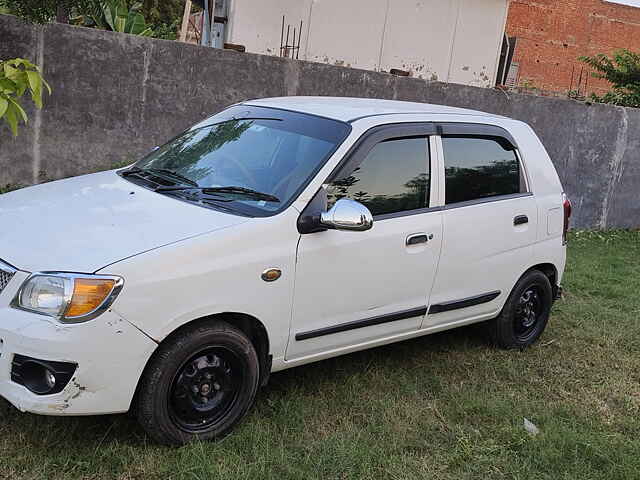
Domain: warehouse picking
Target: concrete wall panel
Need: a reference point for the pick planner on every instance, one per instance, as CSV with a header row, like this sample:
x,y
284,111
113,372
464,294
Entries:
x,y
18,153
116,96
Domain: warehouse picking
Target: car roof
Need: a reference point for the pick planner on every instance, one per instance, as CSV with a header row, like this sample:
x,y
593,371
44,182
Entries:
x,y
351,109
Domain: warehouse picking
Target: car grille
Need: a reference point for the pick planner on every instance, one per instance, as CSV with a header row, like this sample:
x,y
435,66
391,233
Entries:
x,y
6,275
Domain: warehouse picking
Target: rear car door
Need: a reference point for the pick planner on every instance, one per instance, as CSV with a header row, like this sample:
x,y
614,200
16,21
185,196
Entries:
x,y
490,223
357,287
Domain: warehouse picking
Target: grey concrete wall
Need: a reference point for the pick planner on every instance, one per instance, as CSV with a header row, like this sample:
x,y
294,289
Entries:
x,y
116,96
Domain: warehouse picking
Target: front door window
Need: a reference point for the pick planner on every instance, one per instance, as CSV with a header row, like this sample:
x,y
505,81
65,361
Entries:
x,y
394,177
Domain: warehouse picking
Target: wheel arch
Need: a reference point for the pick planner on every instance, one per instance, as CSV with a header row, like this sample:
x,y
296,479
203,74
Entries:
x,y
551,272
251,326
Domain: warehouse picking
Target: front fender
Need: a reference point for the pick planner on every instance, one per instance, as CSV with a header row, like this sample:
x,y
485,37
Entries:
x,y
212,274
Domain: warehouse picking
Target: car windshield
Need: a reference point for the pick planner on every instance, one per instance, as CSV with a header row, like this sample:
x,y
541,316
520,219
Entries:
x,y
254,159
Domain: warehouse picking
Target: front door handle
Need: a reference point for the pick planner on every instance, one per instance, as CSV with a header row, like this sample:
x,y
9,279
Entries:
x,y
418,238
520,220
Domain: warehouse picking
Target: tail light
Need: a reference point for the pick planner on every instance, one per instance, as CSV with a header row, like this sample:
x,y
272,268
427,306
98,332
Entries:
x,y
566,205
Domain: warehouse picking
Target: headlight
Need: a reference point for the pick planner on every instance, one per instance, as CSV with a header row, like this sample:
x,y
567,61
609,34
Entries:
x,y
71,298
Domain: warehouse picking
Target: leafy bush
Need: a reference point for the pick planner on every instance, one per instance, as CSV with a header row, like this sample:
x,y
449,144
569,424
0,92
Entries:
x,y
164,15
34,11
166,31
118,17
623,72
127,17
115,15
17,76
158,18
45,11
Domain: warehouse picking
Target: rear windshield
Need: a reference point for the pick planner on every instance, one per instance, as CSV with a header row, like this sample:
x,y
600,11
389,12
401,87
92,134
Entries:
x,y
268,151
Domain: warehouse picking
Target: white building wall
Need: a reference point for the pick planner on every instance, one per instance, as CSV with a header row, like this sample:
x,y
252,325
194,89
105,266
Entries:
x,y
256,24
448,40
476,46
419,37
346,32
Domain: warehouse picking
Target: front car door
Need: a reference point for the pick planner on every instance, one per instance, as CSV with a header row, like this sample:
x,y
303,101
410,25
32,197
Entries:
x,y
355,288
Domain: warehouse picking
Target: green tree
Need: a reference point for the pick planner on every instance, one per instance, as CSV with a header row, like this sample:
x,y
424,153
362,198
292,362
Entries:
x,y
44,11
17,76
164,16
118,16
158,18
623,72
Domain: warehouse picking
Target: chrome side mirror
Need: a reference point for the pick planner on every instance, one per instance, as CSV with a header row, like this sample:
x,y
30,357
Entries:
x,y
347,215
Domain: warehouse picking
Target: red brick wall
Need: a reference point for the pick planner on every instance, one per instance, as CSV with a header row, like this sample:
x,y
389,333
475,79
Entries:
x,y
552,34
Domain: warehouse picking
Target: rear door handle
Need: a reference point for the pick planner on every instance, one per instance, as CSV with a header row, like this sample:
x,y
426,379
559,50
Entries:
x,y
418,238
520,220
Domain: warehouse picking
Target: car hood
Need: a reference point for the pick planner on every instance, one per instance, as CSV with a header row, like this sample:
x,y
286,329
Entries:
x,y
84,223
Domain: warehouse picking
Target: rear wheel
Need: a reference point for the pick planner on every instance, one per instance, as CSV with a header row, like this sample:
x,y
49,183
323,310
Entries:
x,y
525,314
198,385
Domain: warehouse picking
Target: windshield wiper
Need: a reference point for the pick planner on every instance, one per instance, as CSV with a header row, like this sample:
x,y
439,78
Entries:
x,y
159,171
172,173
131,171
244,191
230,189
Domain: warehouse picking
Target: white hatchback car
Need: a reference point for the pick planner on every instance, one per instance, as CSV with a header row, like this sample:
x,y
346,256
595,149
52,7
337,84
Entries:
x,y
276,233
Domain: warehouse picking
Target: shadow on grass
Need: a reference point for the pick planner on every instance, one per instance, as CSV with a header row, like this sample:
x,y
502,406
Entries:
x,y
92,432
394,358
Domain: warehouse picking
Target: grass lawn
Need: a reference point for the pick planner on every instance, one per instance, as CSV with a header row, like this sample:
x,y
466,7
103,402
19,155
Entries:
x,y
445,406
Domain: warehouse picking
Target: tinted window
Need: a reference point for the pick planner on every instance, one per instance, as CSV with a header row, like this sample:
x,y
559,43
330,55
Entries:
x,y
394,177
265,150
477,168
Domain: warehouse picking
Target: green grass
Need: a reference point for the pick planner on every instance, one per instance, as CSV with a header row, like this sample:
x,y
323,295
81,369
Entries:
x,y
445,406
9,187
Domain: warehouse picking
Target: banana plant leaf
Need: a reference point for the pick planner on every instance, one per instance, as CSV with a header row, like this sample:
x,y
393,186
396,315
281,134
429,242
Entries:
x,y
115,15
136,24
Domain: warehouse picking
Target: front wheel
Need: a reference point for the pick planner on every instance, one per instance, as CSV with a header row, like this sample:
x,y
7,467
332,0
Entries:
x,y
198,385
525,314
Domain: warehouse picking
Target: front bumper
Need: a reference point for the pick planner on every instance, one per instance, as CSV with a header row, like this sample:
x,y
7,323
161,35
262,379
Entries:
x,y
110,353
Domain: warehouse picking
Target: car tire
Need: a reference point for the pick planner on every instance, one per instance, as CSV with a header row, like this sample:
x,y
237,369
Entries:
x,y
525,314
198,385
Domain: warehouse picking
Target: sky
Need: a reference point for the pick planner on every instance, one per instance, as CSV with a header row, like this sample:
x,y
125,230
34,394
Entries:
x,y
633,3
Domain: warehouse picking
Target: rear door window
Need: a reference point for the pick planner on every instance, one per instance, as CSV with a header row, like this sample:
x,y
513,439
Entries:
x,y
479,168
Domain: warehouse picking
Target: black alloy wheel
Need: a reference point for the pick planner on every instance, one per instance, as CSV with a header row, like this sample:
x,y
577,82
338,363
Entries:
x,y
528,311
205,388
525,314
198,385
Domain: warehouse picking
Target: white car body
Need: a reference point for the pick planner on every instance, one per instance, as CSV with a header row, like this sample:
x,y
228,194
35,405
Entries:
x,y
181,263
